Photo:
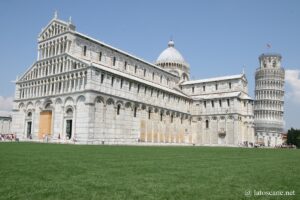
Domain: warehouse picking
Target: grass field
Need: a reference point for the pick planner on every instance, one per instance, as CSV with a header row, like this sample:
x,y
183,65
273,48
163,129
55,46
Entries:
x,y
53,171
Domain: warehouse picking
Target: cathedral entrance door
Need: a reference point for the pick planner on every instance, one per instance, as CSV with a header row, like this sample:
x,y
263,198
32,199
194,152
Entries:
x,y
69,128
45,124
29,129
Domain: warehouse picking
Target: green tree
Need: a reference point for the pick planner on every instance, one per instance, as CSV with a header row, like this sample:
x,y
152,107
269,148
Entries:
x,y
293,137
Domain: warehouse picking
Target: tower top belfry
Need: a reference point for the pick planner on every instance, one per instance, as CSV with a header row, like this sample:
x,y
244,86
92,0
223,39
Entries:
x,y
270,60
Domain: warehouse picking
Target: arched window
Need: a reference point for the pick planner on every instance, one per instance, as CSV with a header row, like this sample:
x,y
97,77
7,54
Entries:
x,y
149,114
69,112
135,110
114,61
207,124
29,114
100,56
118,109
84,50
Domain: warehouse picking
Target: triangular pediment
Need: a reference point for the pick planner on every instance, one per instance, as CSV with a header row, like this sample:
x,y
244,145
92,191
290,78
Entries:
x,y
55,27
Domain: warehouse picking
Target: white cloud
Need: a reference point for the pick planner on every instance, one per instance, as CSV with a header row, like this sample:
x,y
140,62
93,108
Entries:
x,y
292,78
6,103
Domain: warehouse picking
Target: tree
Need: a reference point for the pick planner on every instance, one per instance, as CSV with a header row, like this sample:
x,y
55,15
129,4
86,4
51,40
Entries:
x,y
293,137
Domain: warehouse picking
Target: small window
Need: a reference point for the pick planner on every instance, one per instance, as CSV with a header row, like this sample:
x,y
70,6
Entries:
x,y
193,89
114,61
135,69
216,86
207,124
229,85
161,116
244,103
274,64
84,50
145,72
212,104
135,109
145,89
204,104
153,76
100,56
74,66
138,88
121,84
171,118
130,84
220,103
112,81
203,88
161,79
149,114
125,65
228,103
102,78
118,109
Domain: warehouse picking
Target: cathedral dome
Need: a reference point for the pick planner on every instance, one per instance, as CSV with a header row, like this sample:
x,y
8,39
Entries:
x,y
170,55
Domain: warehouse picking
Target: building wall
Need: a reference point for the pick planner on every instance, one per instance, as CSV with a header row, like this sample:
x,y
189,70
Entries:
x,y
5,125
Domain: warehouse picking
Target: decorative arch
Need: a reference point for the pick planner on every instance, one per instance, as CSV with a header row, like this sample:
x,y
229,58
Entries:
x,y
79,99
99,99
119,102
29,104
21,105
128,105
110,101
58,101
69,101
37,103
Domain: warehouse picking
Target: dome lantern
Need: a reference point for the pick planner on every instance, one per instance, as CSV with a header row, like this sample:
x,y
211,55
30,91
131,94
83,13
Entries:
x,y
172,60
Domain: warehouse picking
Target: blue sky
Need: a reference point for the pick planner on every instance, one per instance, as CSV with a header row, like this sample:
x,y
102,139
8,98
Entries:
x,y
215,37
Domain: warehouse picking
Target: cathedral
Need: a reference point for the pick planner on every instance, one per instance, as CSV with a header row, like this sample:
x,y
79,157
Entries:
x,y
83,91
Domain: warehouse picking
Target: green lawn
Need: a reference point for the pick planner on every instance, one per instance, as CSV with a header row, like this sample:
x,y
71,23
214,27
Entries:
x,y
53,171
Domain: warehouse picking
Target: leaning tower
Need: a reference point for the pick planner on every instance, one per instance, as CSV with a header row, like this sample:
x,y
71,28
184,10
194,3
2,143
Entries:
x,y
269,100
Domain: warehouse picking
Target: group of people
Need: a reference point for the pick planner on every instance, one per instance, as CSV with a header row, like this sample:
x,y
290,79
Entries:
x,y
8,137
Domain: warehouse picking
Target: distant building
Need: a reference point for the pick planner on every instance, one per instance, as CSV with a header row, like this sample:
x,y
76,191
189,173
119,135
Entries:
x,y
5,122
83,90
269,100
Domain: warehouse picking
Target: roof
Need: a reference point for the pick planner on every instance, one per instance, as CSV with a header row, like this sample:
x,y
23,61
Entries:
x,y
270,55
216,95
241,95
222,78
123,52
129,76
170,55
